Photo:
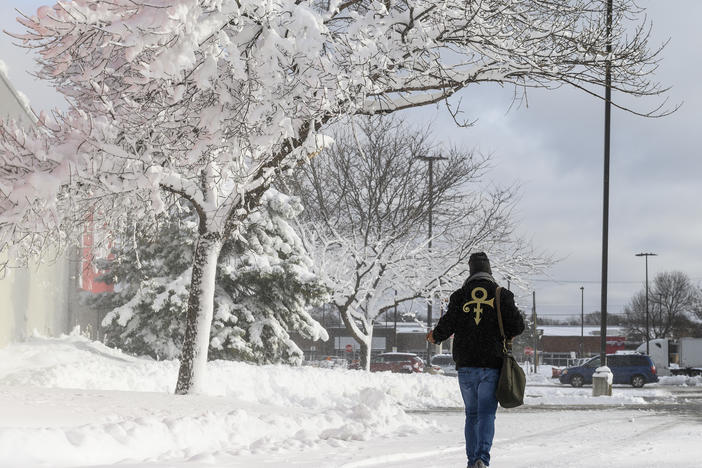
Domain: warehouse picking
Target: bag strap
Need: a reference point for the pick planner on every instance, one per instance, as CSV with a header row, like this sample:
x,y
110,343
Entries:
x,y
498,293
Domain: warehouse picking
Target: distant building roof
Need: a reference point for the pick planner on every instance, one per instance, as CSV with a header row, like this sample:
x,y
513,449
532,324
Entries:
x,y
574,330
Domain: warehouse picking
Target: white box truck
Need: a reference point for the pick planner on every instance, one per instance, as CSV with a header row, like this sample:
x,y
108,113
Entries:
x,y
675,357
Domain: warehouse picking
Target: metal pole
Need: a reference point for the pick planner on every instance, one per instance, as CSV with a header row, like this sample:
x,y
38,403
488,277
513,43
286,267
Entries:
x,y
648,333
430,160
660,309
605,206
533,328
394,340
431,206
582,322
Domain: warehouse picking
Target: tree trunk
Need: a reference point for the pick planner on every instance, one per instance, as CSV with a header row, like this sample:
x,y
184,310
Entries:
x,y
198,321
366,348
365,355
364,340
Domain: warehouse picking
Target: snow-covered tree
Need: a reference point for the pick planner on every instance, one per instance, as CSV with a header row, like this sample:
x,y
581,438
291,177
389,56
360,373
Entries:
x,y
264,289
208,100
368,207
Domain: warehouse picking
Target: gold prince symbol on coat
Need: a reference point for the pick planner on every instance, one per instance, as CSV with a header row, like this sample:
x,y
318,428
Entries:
x,y
479,296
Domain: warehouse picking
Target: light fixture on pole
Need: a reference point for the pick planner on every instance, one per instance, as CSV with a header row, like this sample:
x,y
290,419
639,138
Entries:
x,y
430,160
646,254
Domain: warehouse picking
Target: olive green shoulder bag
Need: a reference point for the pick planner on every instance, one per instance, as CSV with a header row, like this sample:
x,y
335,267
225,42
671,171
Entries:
x,y
512,382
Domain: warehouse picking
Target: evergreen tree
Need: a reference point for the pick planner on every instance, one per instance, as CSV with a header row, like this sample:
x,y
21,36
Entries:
x,y
264,288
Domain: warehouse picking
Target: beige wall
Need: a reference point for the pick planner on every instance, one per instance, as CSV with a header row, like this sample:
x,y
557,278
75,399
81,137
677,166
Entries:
x,y
36,298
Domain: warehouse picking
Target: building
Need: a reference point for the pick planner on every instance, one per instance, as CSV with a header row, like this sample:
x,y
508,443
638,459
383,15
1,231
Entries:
x,y
43,298
559,345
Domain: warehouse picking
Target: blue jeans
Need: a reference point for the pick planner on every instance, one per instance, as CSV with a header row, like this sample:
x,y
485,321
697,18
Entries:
x,y
478,386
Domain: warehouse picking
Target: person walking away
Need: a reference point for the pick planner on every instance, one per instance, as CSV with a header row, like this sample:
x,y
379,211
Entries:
x,y
477,351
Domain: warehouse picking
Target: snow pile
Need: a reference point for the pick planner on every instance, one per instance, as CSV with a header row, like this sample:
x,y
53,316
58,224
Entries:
x,y
112,405
70,401
681,380
76,362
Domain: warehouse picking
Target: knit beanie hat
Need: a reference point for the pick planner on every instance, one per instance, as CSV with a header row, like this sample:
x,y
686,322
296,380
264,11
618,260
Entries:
x,y
478,262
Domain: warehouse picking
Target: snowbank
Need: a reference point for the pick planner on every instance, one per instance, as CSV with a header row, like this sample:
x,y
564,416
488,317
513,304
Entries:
x,y
70,401
76,362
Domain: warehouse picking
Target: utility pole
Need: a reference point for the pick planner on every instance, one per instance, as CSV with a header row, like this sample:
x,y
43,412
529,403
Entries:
x,y
660,307
605,197
430,304
394,340
646,254
582,322
533,329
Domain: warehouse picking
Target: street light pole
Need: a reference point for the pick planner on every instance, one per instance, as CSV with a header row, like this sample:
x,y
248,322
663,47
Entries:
x,y
394,339
430,160
582,321
646,254
605,197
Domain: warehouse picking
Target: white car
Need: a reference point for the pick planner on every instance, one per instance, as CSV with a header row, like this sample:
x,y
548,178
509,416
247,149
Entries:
x,y
446,363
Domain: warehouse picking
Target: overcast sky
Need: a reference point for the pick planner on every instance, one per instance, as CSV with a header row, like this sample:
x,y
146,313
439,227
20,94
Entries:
x,y
554,150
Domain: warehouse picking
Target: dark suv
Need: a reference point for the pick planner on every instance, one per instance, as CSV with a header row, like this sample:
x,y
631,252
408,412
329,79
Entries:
x,y
405,363
634,369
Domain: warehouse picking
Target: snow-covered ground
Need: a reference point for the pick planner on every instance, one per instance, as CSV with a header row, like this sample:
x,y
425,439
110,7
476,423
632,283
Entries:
x,y
73,402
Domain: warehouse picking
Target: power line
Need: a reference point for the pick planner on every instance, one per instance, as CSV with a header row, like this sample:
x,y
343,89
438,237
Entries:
x,y
547,280
569,281
546,314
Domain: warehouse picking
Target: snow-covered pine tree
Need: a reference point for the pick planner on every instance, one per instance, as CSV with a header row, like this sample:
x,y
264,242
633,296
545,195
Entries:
x,y
264,289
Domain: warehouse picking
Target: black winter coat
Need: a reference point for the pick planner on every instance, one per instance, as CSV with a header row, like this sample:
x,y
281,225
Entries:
x,y
472,319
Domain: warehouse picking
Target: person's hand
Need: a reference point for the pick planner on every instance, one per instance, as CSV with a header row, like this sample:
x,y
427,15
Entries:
x,y
430,337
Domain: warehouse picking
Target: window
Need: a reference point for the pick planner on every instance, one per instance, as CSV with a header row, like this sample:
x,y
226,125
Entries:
x,y
396,358
639,361
617,361
442,361
594,362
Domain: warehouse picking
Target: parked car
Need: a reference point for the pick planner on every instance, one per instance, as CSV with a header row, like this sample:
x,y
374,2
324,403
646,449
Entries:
x,y
446,363
405,363
330,362
633,369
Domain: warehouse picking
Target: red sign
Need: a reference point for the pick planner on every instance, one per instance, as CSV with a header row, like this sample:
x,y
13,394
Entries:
x,y
614,344
349,348
89,273
528,350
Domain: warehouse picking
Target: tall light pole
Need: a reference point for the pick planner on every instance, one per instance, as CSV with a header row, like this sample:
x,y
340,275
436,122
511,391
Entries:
x,y
394,336
536,337
605,197
646,254
430,160
582,321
